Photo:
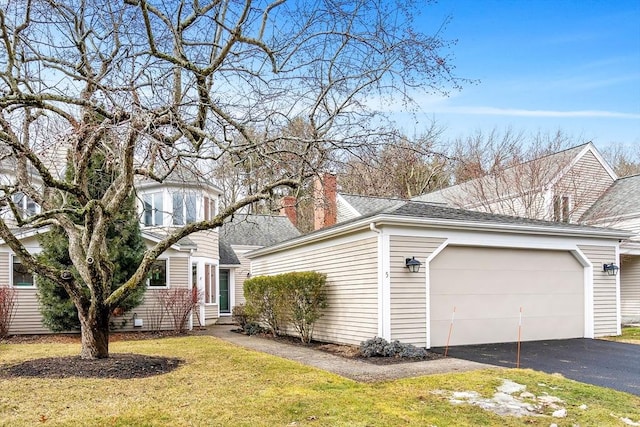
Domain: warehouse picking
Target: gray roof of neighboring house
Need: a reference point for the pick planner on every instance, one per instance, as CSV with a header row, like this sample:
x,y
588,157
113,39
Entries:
x,y
226,253
257,230
366,205
522,176
621,199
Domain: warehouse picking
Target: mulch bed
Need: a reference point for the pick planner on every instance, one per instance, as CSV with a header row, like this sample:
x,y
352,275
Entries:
x,y
117,365
348,351
120,365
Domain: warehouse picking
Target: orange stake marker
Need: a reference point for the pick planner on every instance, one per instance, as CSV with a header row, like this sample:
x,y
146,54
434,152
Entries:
x,y
519,336
446,349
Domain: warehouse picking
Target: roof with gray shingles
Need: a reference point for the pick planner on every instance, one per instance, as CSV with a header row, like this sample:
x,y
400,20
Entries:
x,y
449,216
425,210
257,230
523,176
620,200
226,253
366,205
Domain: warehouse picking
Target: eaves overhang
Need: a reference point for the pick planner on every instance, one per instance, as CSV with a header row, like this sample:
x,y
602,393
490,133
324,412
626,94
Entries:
x,y
382,220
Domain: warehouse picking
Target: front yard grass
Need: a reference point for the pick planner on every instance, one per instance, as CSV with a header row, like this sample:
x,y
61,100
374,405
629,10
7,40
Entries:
x,y
224,385
630,334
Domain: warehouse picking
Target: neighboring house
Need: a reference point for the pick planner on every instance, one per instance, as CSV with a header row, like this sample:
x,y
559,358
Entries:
x,y
485,267
619,207
214,266
193,262
575,186
558,187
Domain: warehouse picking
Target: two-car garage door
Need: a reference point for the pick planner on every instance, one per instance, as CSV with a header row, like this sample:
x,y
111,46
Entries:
x,y
488,286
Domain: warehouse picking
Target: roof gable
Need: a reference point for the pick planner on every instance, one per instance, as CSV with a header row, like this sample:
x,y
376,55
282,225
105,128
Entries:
x,y
356,206
536,175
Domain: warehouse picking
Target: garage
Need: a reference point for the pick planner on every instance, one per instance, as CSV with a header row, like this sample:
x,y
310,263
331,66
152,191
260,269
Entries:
x,y
488,286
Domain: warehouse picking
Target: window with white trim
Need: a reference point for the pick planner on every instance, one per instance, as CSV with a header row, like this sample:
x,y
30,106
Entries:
x,y
562,208
152,209
20,276
25,204
210,284
184,208
209,208
158,274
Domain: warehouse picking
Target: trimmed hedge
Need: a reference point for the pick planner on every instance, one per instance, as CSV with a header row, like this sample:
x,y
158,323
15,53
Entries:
x,y
296,298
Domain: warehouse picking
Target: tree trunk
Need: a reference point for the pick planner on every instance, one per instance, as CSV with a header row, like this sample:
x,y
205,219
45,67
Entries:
x,y
94,327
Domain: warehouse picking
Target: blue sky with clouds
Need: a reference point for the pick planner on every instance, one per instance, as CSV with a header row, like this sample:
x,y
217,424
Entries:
x,y
543,66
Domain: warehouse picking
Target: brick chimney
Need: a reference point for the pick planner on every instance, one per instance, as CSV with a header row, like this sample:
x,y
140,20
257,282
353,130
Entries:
x,y
324,201
289,209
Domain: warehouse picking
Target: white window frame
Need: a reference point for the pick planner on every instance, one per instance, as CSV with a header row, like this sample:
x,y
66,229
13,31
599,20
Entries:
x,y
213,290
181,213
22,202
156,212
167,284
564,203
12,257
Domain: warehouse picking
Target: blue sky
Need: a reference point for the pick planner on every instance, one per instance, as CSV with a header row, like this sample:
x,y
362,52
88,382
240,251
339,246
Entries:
x,y
543,66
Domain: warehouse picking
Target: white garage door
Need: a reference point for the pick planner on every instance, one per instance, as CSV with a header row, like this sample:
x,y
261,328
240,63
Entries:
x,y
487,287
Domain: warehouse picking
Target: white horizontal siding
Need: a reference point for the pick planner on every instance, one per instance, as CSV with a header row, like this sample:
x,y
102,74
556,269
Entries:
x,y
352,284
630,288
605,311
408,290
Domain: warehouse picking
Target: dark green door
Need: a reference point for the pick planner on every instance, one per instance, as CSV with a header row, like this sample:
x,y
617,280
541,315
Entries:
x,y
224,291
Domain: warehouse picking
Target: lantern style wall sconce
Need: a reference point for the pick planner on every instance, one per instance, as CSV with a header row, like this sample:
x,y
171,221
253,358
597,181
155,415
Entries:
x,y
413,264
611,269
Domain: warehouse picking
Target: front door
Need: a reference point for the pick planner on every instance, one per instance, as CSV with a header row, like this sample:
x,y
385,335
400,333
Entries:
x,y
224,292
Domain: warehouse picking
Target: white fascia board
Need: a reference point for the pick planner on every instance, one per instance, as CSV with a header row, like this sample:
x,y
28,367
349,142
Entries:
x,y
25,233
156,239
501,240
504,228
149,185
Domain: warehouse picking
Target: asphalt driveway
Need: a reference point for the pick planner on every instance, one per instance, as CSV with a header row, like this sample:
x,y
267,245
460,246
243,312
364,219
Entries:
x,y
604,363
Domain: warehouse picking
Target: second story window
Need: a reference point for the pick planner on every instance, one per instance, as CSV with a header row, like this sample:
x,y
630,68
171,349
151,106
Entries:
x,y
184,208
25,205
209,208
562,208
152,209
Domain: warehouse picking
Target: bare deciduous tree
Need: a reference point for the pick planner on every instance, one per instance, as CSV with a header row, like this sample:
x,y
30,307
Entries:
x,y
157,86
625,160
512,174
398,167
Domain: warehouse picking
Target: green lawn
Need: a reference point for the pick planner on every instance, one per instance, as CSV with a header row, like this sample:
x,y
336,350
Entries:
x,y
221,384
629,335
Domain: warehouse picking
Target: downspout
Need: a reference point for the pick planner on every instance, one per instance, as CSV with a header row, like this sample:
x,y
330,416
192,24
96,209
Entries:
x,y
381,306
